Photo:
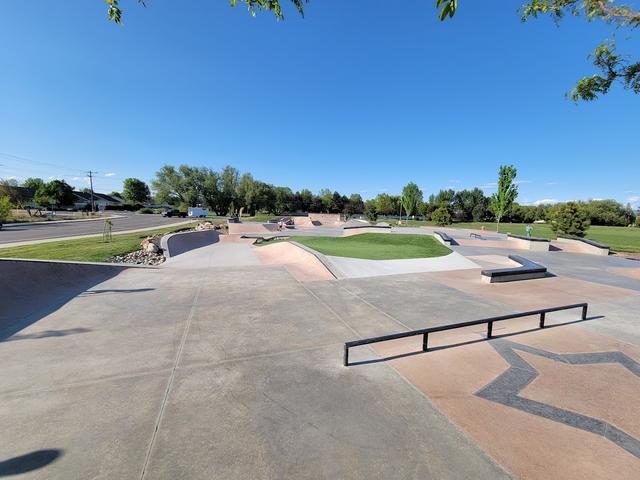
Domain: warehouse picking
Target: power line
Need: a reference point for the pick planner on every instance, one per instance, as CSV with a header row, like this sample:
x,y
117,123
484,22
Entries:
x,y
24,159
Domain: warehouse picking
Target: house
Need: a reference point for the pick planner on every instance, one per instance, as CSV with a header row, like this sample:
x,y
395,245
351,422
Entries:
x,y
100,200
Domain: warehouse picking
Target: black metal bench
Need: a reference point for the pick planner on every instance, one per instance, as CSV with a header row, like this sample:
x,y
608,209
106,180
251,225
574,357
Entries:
x,y
475,235
526,271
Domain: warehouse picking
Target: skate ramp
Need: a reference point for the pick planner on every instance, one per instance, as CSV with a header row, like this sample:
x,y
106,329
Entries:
x,y
178,243
302,265
32,289
249,227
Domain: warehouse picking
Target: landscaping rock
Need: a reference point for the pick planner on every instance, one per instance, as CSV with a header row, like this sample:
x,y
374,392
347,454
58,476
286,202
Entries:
x,y
140,257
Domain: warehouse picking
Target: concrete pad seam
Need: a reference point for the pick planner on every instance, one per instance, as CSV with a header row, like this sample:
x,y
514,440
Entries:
x,y
81,384
183,341
374,307
258,356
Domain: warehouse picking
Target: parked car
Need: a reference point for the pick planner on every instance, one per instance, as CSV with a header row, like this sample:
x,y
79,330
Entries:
x,y
174,212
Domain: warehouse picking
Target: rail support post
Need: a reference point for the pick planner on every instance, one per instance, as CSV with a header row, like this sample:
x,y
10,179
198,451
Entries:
x,y
542,315
425,340
584,311
489,329
346,355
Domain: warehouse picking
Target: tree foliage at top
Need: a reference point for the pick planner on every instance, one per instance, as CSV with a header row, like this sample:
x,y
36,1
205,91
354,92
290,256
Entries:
x,y
503,199
612,66
115,13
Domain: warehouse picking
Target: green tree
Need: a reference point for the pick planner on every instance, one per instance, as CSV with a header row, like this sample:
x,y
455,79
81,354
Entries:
x,y
5,208
135,191
246,193
9,188
370,210
441,216
283,199
354,204
469,205
502,200
306,199
56,193
326,195
612,66
182,186
411,198
32,182
569,218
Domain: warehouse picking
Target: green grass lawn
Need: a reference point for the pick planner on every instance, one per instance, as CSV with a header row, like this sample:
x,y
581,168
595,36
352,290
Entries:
x,y
377,246
620,239
86,249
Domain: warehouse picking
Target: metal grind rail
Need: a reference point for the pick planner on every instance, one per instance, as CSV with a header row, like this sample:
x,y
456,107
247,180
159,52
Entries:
x,y
489,321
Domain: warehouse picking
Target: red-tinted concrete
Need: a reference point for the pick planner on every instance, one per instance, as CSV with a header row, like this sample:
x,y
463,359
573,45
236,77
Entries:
x,y
528,445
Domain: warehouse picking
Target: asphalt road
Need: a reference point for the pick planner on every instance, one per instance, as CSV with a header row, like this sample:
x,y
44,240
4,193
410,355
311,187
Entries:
x,y
46,230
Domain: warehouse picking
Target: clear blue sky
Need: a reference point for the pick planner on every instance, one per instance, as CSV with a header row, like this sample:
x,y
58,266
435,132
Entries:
x,y
360,96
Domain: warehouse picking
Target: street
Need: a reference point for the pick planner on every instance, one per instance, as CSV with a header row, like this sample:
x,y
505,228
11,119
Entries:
x,y
47,230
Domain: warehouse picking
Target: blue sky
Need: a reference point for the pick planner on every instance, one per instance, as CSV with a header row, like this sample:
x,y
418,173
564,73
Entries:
x,y
358,96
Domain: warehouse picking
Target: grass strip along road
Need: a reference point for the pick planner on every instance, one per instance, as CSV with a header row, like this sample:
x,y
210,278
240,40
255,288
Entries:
x,y
87,249
376,246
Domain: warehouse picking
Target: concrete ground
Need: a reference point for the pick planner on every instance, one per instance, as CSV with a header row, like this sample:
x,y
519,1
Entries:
x,y
13,235
218,366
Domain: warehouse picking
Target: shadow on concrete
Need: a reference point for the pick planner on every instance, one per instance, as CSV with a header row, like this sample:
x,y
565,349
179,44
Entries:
x,y
46,334
112,291
469,342
181,242
32,289
28,462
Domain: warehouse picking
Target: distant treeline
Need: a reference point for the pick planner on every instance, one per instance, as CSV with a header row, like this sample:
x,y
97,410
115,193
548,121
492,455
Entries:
x,y
226,191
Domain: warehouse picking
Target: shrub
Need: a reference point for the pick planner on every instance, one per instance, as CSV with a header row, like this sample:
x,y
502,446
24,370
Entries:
x,y
5,208
370,212
145,210
441,216
569,218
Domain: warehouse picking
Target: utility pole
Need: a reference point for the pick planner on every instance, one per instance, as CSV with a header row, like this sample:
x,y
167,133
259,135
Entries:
x,y
90,173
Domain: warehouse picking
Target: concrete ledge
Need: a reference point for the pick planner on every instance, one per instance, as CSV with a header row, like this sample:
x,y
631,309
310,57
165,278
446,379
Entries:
x,y
583,245
530,243
181,242
358,230
526,271
443,238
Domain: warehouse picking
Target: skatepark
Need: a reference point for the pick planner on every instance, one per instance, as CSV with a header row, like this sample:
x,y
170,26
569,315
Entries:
x,y
227,361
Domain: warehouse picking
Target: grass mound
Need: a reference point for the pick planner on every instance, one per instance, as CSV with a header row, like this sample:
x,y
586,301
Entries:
x,y
377,246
